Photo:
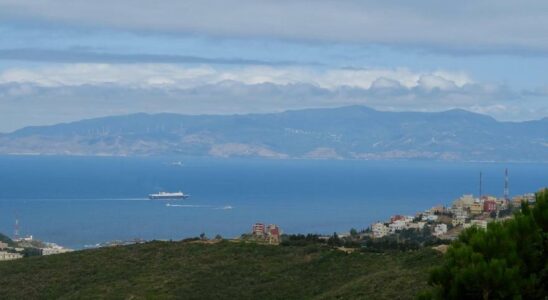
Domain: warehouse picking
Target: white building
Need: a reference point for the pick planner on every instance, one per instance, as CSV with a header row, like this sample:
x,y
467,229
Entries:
x,y
458,220
9,256
459,212
429,218
440,229
397,226
418,225
29,238
379,230
52,248
58,250
478,223
464,202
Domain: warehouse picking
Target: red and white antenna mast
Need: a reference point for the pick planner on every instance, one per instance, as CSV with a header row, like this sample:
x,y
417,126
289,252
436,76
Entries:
x,y
16,229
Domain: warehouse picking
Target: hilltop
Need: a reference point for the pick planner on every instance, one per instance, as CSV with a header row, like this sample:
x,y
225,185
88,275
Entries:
x,y
6,239
353,132
228,270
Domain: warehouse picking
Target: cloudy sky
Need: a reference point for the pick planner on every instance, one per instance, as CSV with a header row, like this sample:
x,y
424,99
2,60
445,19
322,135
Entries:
x,y
64,60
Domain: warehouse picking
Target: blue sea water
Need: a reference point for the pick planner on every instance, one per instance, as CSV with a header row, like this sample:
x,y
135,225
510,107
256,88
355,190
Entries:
x,y
79,201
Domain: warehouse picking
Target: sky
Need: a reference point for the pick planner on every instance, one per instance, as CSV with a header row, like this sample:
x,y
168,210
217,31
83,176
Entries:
x,y
66,60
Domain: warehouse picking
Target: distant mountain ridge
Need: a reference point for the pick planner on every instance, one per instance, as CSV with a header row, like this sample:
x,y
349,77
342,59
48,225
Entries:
x,y
352,132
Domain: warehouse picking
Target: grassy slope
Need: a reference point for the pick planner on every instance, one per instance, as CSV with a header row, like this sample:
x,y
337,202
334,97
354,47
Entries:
x,y
225,270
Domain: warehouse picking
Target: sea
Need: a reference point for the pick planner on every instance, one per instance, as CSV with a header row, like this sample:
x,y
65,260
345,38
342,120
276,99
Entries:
x,y
79,202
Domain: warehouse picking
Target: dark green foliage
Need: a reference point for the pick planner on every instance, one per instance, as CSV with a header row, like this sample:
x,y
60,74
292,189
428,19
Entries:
x,y
509,260
301,240
224,270
28,252
335,241
404,240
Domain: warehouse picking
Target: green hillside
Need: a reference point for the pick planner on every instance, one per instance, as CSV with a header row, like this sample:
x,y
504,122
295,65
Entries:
x,y
226,270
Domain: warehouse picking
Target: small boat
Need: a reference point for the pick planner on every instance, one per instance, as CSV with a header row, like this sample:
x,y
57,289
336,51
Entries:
x,y
168,196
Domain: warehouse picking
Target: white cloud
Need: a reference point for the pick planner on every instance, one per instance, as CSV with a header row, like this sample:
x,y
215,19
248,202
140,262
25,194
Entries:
x,y
178,76
430,82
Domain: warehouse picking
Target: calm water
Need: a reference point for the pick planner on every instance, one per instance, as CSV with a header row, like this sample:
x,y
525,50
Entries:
x,y
78,201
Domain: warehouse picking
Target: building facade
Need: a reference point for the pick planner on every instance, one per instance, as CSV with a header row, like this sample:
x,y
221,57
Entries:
x,y
9,256
258,229
379,230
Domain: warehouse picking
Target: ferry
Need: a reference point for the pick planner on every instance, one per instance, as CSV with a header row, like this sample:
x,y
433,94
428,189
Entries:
x,y
168,196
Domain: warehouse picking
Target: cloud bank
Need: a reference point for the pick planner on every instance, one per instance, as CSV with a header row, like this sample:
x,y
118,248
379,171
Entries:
x,y
179,76
472,26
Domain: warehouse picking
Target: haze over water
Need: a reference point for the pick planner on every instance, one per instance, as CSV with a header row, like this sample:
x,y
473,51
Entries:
x,y
79,201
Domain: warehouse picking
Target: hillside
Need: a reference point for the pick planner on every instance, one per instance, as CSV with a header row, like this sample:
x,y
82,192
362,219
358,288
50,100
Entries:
x,y
353,132
225,270
5,239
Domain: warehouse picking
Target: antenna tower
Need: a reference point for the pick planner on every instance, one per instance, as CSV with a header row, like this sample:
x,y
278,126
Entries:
x,y
16,229
480,185
506,188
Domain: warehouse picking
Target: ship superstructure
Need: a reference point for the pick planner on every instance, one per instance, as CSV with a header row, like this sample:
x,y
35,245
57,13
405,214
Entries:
x,y
168,196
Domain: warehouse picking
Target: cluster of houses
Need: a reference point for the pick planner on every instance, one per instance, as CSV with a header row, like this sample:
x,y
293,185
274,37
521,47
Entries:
x,y
8,255
11,253
447,222
268,233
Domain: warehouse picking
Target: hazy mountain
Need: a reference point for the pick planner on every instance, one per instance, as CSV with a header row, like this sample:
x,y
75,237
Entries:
x,y
353,132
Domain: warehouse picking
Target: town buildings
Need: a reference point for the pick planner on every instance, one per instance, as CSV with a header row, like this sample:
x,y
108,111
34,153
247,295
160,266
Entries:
x,y
525,198
258,230
489,205
465,212
397,226
271,233
379,230
464,202
9,256
476,208
440,229
53,248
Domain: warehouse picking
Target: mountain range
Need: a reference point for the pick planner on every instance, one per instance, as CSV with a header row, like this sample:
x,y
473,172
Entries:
x,y
352,132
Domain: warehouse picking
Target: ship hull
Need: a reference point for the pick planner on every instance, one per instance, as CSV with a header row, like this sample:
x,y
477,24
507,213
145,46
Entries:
x,y
154,197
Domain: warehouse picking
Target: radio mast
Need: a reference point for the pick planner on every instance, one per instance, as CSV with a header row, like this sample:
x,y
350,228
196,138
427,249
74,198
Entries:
x,y
480,185
16,229
506,188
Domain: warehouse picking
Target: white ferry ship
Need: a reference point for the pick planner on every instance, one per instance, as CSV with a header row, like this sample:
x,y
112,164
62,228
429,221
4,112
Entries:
x,y
168,196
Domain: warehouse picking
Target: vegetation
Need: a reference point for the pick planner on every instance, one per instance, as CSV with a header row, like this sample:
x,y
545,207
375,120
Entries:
x,y
507,261
403,240
300,240
222,270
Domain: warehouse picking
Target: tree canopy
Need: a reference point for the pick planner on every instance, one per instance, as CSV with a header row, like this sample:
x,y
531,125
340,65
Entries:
x,y
507,261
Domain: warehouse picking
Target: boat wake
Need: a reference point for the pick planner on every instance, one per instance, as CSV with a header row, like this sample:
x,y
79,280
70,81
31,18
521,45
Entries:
x,y
225,207
186,205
